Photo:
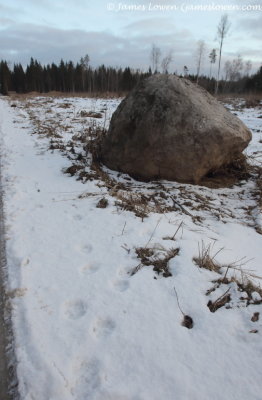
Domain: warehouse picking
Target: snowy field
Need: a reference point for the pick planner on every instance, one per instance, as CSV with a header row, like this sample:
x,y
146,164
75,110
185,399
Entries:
x,y
99,294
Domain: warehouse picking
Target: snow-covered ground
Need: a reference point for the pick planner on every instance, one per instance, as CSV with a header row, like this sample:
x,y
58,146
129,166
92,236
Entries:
x,y
90,320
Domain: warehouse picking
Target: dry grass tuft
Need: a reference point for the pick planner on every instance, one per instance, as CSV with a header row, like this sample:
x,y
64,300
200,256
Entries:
x,y
259,186
235,97
234,275
159,260
57,94
249,292
143,204
205,259
252,102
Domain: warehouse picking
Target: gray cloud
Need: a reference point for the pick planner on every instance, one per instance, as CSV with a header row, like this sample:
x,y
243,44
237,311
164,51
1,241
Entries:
x,y
19,43
6,22
129,46
252,26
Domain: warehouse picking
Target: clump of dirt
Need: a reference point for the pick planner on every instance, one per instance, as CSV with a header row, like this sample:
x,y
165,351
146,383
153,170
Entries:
x,y
220,302
73,169
90,114
102,203
255,317
187,322
65,105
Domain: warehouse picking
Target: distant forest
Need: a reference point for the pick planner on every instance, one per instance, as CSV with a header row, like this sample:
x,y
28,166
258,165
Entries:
x,y
81,77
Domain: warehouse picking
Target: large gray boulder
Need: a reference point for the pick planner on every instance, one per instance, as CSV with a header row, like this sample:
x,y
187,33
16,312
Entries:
x,y
169,128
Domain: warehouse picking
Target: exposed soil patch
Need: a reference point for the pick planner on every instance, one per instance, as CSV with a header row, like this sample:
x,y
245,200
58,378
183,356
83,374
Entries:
x,y
228,175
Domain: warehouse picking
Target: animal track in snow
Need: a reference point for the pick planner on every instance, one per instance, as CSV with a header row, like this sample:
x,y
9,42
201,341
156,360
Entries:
x,y
89,268
85,248
123,271
89,380
121,285
25,262
75,309
103,327
78,217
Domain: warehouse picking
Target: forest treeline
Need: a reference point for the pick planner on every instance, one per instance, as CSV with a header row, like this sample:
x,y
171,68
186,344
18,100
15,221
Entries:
x,y
81,77
67,77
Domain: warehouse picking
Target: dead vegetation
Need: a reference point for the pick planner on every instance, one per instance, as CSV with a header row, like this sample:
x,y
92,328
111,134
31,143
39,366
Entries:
x,y
219,302
56,94
142,204
90,114
84,149
205,259
235,279
187,321
228,175
156,257
259,186
244,100
253,102
65,105
238,286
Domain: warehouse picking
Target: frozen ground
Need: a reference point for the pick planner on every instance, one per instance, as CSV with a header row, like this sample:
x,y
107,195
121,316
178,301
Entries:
x,y
91,321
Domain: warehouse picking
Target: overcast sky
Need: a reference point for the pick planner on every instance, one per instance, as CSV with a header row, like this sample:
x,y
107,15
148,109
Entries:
x,y
121,33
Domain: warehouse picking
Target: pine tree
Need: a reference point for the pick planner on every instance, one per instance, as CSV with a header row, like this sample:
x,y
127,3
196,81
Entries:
x,y
5,75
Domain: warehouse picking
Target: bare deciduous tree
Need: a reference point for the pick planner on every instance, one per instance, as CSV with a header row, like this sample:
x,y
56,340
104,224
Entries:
x,y
84,62
227,68
237,66
166,62
248,67
222,30
155,57
200,53
233,69
212,56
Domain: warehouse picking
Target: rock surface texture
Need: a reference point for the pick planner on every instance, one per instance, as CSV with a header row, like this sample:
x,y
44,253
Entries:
x,y
169,128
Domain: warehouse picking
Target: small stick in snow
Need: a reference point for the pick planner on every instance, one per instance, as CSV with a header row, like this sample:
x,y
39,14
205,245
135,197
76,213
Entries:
x,y
182,207
158,222
173,237
187,320
123,229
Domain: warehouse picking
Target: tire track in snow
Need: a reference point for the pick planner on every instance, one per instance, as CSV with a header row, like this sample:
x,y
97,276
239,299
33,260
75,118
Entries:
x,y
8,379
